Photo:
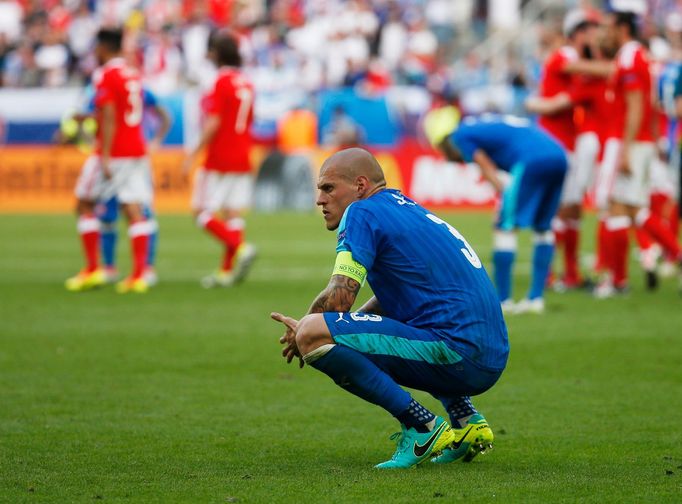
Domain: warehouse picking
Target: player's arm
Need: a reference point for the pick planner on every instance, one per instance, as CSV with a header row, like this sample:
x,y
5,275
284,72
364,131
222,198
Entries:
x,y
338,296
108,127
595,68
162,130
347,278
633,120
372,306
209,130
488,169
548,106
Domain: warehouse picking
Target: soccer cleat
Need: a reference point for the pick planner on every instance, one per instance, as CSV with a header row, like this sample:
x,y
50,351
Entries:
x,y
135,285
243,260
85,281
218,279
415,447
110,274
607,290
536,306
651,280
150,276
668,269
476,437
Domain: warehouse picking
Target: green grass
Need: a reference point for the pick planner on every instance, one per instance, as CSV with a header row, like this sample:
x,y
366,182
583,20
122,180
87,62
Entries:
x,y
181,395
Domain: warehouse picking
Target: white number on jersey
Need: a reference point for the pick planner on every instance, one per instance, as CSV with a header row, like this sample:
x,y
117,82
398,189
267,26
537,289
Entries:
x,y
245,97
365,317
467,250
133,117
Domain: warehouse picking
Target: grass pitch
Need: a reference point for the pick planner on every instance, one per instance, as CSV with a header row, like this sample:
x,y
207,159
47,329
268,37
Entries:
x,y
180,395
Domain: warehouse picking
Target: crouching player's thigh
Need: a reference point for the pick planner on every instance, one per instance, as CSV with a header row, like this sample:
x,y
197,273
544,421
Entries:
x,y
417,358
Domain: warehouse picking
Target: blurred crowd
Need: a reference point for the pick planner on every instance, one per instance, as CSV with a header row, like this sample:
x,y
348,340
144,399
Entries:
x,y
304,43
297,45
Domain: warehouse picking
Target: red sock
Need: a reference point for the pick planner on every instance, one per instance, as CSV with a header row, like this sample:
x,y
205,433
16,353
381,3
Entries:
x,y
644,239
674,225
571,241
602,256
218,229
657,203
139,242
88,228
235,232
617,229
653,225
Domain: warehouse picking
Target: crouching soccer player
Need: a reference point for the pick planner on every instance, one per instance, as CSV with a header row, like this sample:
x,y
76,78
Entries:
x,y
434,324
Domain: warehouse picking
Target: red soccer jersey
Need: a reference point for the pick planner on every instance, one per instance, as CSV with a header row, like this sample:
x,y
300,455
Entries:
x,y
120,85
633,74
593,99
555,80
231,100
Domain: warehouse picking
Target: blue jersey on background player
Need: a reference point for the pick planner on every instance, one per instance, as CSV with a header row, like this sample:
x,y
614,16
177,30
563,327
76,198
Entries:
x,y
433,324
536,164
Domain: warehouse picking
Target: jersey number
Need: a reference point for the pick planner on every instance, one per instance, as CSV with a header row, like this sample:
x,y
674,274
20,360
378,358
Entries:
x,y
133,117
467,250
245,97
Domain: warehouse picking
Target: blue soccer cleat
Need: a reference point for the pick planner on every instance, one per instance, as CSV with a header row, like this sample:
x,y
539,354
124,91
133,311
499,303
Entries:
x,y
415,447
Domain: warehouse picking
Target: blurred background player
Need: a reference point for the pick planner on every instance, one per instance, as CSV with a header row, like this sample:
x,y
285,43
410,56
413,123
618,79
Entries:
x,y
629,199
108,211
537,165
223,185
80,129
581,143
120,168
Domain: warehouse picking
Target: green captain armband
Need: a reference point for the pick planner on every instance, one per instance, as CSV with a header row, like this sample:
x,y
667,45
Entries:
x,y
346,266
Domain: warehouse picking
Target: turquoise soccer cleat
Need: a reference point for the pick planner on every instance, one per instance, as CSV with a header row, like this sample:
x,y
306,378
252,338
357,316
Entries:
x,y
415,447
476,437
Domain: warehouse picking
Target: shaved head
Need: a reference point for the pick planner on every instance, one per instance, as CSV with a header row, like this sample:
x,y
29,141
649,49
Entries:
x,y
353,163
347,176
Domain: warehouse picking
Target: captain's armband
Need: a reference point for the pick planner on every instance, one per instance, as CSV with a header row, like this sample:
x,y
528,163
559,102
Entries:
x,y
346,266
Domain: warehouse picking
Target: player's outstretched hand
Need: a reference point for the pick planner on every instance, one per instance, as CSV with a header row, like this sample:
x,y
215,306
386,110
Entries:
x,y
288,339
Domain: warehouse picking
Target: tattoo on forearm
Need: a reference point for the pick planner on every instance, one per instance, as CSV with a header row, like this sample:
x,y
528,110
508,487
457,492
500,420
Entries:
x,y
339,295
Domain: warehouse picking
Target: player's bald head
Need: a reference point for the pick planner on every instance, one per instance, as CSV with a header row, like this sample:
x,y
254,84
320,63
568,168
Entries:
x,y
353,163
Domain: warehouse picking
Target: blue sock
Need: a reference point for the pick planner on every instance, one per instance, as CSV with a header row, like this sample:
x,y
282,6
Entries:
x,y
153,237
459,408
358,375
503,260
542,259
153,242
416,416
108,238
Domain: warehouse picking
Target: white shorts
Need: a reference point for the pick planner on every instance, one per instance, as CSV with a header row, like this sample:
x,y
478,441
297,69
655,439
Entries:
x,y
215,191
633,188
130,181
580,168
662,178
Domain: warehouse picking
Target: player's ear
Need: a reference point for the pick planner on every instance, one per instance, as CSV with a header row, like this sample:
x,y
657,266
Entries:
x,y
363,184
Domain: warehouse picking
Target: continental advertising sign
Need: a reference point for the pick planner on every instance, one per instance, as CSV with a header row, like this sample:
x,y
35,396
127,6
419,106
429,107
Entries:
x,y
42,178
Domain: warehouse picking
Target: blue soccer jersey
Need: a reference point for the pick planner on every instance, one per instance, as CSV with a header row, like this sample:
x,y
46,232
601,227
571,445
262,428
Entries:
x,y
425,274
507,140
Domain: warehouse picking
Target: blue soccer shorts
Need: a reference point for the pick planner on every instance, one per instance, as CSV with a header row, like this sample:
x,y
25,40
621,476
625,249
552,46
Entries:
x,y
532,198
417,358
